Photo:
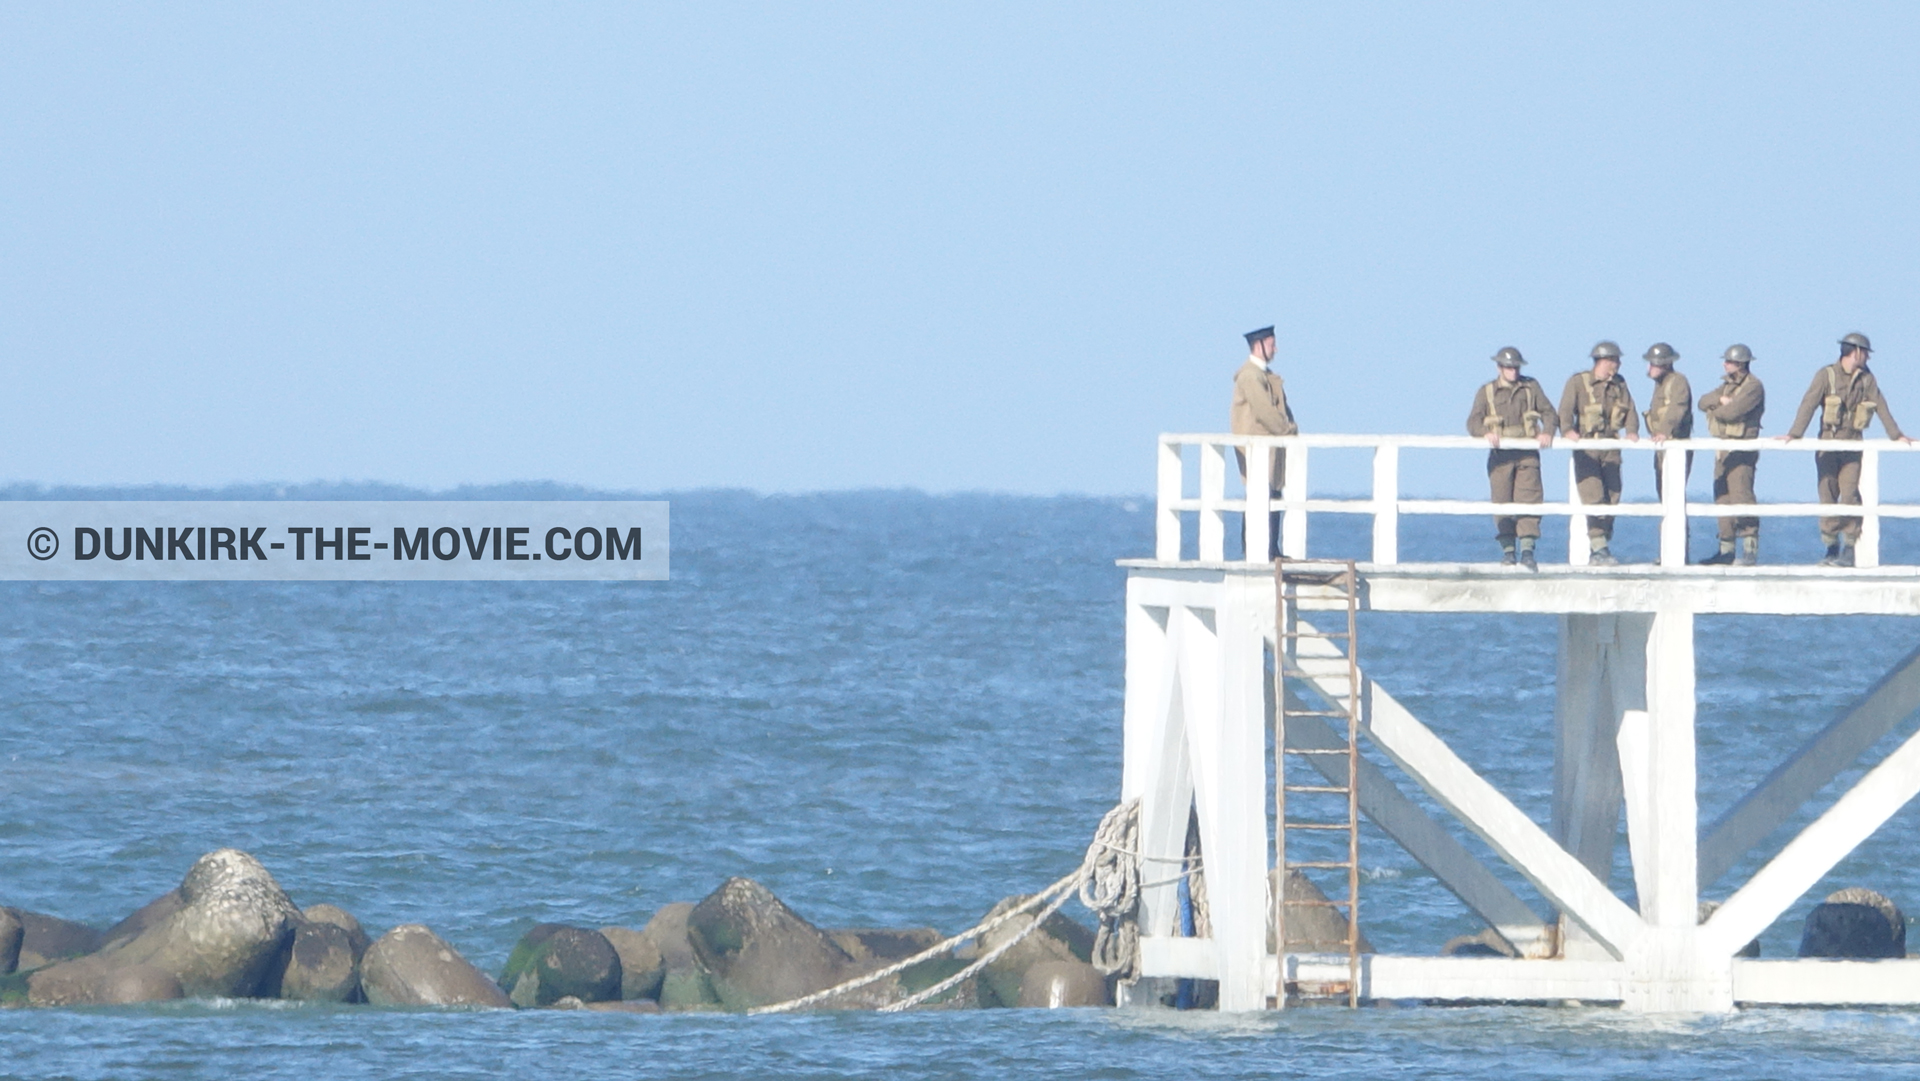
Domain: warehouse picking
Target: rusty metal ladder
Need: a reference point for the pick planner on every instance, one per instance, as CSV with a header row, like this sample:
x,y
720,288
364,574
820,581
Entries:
x,y
1324,581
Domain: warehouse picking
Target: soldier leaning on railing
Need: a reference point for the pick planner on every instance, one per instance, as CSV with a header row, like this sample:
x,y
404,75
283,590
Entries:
x,y
1597,405
1848,397
1513,406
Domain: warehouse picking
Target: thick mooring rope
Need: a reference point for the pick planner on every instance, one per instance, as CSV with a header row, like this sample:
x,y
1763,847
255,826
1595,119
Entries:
x,y
1111,891
1118,893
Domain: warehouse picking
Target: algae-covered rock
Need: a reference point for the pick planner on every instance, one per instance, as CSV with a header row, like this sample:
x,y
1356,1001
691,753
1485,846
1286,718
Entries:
x,y
554,962
685,985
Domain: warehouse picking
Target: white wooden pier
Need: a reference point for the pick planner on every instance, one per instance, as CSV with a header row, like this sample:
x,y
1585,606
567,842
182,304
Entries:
x,y
1201,649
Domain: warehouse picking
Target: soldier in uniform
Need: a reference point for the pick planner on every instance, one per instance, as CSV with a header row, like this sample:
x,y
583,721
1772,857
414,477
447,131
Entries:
x,y
1511,407
1260,408
1597,405
1733,411
1848,397
1669,413
1670,410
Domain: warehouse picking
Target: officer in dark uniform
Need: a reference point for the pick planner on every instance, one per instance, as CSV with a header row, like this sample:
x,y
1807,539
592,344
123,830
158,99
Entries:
x,y
1513,407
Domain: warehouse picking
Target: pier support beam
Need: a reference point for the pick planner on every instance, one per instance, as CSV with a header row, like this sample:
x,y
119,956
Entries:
x,y
1674,968
1196,695
1198,715
1788,788
1602,673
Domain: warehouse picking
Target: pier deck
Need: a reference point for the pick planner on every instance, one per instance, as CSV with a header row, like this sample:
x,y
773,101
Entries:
x,y
1206,662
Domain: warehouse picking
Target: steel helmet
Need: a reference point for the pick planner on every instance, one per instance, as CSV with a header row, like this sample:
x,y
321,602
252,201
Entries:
x,y
1509,358
1737,354
1855,341
1605,351
1661,355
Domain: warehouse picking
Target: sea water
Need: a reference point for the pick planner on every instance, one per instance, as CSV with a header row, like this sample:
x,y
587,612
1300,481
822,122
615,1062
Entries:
x,y
890,708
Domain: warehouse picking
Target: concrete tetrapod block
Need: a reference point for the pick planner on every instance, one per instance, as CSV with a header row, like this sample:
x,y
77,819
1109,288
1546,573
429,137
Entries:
x,y
341,918
641,965
759,951
1052,985
222,939
320,965
884,945
12,933
1059,939
46,939
138,983
685,984
1312,925
412,966
142,918
554,962
1857,923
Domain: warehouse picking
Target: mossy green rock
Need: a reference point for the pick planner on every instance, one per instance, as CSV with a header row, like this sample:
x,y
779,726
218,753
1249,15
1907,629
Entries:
x,y
685,984
563,962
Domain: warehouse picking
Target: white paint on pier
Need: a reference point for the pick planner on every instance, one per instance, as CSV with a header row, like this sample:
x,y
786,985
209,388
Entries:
x,y
1200,638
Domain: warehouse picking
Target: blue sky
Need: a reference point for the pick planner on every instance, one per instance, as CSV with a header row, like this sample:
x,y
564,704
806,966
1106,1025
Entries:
x,y
951,247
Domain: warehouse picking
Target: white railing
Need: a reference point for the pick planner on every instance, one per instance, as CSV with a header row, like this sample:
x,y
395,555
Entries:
x,y
1386,505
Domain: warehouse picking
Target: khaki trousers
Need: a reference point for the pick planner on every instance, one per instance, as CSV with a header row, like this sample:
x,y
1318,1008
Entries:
x,y
1514,477
1839,483
1733,483
1596,476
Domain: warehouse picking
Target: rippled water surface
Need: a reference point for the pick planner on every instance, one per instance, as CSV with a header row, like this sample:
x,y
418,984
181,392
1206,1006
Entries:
x,y
892,709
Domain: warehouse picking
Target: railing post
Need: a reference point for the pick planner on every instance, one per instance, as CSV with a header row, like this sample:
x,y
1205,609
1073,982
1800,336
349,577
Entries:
x,y
1579,552
1673,505
1168,474
1866,553
1293,495
1258,531
1213,492
1386,504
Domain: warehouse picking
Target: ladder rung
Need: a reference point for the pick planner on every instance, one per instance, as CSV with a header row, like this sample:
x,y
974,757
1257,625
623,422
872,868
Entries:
x,y
1317,750
1315,634
1341,789
1316,713
1320,825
